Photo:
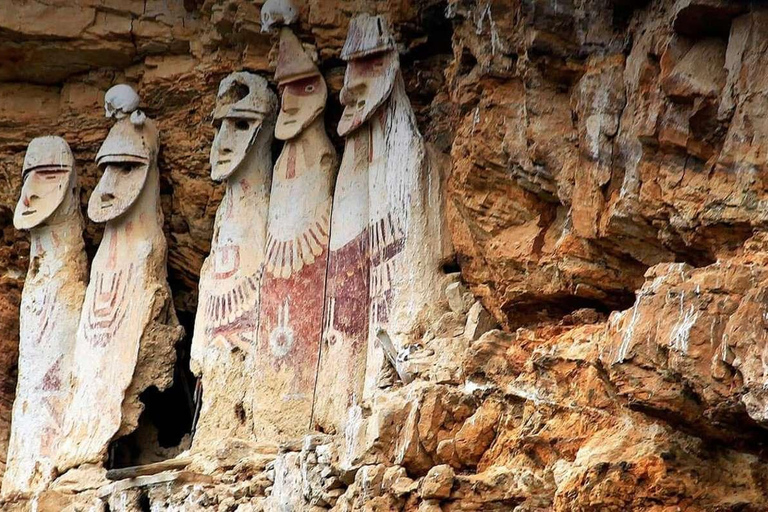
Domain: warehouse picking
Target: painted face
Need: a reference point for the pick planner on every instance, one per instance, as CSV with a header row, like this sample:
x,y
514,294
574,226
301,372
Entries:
x,y
119,187
234,138
303,100
368,83
43,191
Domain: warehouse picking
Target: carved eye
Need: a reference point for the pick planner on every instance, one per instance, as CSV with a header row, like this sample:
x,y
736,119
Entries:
x,y
242,124
310,88
127,167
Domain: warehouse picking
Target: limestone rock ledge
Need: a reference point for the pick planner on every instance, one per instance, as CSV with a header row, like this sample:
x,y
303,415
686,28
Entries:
x,y
530,421
607,203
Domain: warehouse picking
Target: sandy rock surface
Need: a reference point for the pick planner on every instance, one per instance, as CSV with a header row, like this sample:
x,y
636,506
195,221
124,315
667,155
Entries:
x,y
603,347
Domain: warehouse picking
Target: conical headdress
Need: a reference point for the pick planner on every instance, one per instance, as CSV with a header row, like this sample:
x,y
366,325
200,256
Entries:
x,y
367,35
293,63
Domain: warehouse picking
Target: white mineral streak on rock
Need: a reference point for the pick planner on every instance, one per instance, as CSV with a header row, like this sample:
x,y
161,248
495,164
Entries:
x,y
352,429
681,334
53,295
293,285
627,334
227,321
128,327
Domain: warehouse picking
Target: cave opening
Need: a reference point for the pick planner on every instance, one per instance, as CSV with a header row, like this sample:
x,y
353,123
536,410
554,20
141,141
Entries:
x,y
166,424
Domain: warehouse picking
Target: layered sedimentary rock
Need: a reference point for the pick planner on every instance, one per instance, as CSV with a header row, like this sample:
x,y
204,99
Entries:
x,y
227,322
54,290
605,200
127,335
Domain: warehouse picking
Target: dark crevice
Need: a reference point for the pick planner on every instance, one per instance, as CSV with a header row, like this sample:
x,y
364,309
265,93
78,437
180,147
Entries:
x,y
536,309
144,504
451,266
701,21
467,62
623,11
738,431
165,425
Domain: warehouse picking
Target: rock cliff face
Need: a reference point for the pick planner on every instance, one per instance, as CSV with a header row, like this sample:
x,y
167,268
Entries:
x,y
604,345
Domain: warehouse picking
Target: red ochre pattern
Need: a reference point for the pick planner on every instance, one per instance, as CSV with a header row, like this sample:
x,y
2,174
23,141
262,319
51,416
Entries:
x,y
291,321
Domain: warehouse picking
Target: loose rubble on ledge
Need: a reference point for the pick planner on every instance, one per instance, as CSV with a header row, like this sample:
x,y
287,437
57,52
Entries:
x,y
562,306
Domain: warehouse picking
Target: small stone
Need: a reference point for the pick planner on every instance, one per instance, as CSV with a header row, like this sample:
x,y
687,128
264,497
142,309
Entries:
x,y
479,321
477,433
332,483
459,299
446,452
227,505
430,506
370,478
438,482
324,455
315,441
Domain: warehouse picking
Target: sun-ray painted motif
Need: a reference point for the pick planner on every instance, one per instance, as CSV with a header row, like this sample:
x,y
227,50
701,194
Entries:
x,y
227,322
291,319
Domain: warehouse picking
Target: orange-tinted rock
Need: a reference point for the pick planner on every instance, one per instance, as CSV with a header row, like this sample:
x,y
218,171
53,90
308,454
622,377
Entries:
x,y
607,163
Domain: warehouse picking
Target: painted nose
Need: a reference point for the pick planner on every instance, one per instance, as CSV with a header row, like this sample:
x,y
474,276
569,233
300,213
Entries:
x,y
345,96
25,200
290,104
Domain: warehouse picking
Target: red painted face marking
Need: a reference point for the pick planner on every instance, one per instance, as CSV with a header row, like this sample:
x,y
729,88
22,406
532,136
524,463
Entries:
x,y
226,262
367,66
304,87
290,170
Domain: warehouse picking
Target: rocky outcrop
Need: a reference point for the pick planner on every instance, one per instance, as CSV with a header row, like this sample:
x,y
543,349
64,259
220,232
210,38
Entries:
x,y
603,345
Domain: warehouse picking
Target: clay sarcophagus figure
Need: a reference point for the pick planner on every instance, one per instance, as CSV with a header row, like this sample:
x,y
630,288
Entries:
x,y
128,328
398,193
49,207
345,333
227,321
293,287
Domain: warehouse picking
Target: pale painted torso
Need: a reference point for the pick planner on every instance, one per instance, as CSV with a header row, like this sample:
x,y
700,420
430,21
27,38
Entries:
x,y
50,309
128,278
405,230
291,317
343,351
226,324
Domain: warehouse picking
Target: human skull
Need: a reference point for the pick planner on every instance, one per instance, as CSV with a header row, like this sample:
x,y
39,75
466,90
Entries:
x,y
278,12
120,101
